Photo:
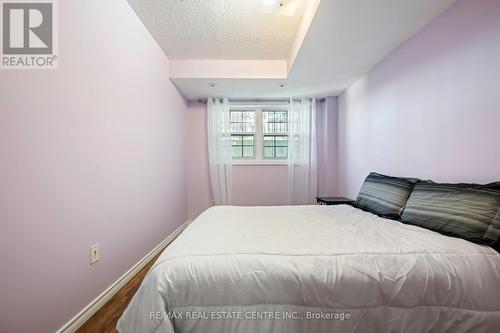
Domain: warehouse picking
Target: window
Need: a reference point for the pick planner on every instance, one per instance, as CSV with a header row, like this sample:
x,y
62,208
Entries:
x,y
242,121
242,146
242,133
259,134
275,146
275,123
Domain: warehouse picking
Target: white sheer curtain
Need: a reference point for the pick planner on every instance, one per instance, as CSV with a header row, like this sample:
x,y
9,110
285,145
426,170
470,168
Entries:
x,y
302,152
219,149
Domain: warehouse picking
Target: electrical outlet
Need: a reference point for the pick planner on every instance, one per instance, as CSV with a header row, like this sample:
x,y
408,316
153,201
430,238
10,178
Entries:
x,y
94,253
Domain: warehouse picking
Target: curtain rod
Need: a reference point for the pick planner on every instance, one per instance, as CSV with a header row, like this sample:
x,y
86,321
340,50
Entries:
x,y
243,101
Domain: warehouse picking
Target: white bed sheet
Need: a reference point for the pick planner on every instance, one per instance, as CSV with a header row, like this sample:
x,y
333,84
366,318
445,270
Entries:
x,y
271,269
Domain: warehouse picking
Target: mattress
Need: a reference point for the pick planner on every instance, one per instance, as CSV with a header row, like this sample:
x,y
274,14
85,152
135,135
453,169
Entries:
x,y
315,269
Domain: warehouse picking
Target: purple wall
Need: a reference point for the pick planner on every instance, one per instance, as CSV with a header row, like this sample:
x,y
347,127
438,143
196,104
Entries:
x,y
327,132
199,191
91,152
260,185
432,109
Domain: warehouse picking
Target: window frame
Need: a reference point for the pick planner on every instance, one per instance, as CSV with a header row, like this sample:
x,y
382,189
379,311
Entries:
x,y
258,158
243,145
254,134
275,146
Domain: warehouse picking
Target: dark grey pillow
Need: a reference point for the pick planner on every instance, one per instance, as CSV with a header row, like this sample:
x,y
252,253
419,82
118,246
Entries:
x,y
468,211
383,195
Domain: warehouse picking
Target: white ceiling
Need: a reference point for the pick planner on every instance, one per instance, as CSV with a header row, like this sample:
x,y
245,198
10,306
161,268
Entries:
x,y
344,40
219,29
349,37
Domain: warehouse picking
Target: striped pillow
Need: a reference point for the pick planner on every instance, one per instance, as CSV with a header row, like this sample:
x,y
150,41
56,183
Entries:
x,y
468,211
383,195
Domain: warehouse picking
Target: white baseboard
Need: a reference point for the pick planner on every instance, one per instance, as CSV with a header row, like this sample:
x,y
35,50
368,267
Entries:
x,y
77,321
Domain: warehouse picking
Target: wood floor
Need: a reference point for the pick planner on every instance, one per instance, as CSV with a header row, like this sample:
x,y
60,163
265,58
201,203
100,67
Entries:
x,y
104,320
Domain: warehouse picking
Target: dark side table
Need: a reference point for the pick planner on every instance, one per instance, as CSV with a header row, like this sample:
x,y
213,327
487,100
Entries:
x,y
330,201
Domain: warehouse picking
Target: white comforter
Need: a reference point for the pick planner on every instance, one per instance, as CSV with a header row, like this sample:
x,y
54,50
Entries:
x,y
315,269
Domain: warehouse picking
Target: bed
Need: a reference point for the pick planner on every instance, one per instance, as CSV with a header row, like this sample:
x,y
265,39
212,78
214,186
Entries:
x,y
315,269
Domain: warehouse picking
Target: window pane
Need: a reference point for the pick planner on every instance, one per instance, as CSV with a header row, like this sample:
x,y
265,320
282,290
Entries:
x,y
268,141
283,128
235,127
275,146
248,151
268,152
283,116
275,121
248,140
242,146
236,140
237,152
248,127
249,116
265,116
282,141
239,116
242,121
281,152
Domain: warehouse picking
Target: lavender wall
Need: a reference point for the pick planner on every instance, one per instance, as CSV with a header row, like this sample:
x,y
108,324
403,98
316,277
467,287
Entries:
x,y
91,152
432,109
260,185
199,190
327,132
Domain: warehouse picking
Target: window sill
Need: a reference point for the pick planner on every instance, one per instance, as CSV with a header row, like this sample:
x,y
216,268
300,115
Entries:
x,y
259,163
